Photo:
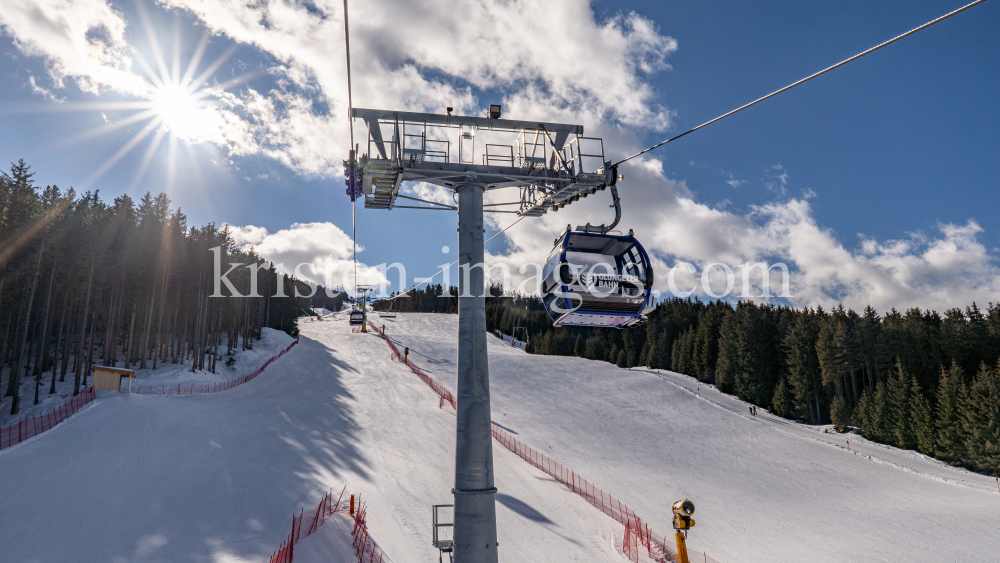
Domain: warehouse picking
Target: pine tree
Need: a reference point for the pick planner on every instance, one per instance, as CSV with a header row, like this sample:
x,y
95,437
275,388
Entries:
x,y
682,354
950,443
864,416
922,419
899,417
980,421
782,403
840,413
750,358
872,415
804,372
706,343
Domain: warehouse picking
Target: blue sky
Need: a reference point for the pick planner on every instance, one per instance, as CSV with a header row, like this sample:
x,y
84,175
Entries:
x,y
875,183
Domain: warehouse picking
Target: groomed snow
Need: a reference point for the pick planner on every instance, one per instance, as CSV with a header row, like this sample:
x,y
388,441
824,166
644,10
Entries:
x,y
765,491
216,477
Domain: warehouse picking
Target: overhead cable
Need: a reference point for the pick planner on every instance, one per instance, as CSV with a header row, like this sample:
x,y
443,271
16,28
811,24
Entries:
x,y
810,77
350,121
414,288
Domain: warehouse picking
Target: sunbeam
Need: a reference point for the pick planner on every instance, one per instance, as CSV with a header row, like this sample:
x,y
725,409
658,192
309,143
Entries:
x,y
147,158
177,101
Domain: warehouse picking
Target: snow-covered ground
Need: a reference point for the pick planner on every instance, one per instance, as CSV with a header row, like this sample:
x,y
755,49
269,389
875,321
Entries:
x,y
330,543
512,341
166,374
765,490
216,477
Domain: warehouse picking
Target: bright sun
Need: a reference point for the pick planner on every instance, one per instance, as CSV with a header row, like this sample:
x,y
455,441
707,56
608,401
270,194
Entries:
x,y
179,109
181,105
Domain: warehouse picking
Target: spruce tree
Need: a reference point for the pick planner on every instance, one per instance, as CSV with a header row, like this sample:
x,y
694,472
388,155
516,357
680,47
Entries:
x,y
980,421
865,416
840,413
950,443
782,404
873,415
900,417
804,373
922,419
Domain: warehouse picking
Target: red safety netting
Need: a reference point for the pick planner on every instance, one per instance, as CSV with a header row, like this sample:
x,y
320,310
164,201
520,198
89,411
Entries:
x,y
192,388
637,533
36,424
308,522
444,394
630,544
364,546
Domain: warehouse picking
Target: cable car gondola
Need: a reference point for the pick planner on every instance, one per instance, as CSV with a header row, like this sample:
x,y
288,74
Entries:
x,y
594,278
600,280
358,317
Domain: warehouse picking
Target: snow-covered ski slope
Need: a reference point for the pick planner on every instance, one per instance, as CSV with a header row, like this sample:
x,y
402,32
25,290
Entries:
x,y
216,477
763,492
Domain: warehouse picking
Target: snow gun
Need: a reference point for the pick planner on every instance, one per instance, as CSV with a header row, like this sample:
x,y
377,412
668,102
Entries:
x,y
683,509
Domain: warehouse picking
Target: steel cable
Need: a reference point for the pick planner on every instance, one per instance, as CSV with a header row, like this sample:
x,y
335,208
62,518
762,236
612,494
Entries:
x,y
810,77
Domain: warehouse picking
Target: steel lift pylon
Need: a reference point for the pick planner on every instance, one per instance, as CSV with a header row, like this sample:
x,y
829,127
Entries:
x,y
552,165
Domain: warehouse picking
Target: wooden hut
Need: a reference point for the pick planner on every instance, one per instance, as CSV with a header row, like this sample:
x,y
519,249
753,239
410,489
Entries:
x,y
110,379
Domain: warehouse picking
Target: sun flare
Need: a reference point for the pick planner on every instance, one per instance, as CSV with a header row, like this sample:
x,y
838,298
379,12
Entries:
x,y
172,104
180,110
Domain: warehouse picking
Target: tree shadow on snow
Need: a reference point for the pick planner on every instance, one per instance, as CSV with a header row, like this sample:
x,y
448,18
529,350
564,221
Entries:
x,y
291,436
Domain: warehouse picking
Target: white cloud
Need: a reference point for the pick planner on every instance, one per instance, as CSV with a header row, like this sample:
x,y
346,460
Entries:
x,y
582,70
776,179
429,192
314,252
248,235
79,39
46,93
949,268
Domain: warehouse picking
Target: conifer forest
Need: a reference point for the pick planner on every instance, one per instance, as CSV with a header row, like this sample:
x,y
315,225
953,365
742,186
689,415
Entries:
x,y
124,284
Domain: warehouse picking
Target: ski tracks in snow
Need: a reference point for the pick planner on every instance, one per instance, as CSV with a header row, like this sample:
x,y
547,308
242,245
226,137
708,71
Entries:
x,y
902,460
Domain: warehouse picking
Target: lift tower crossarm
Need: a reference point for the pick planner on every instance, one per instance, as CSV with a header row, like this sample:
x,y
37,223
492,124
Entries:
x,y
552,164
372,115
